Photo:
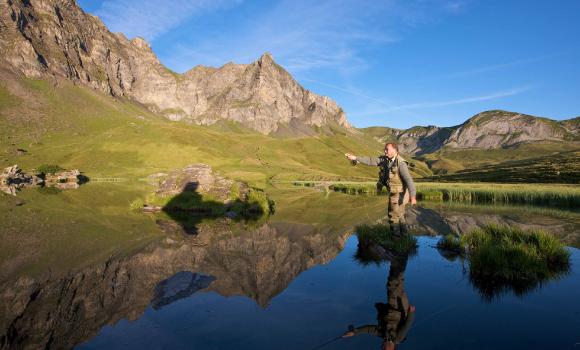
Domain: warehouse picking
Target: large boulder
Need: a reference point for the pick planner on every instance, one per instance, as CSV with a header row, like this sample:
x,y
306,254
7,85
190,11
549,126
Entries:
x,y
199,178
64,176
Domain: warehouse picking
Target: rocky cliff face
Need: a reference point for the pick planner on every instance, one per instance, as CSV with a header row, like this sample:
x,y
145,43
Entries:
x,y
55,38
486,130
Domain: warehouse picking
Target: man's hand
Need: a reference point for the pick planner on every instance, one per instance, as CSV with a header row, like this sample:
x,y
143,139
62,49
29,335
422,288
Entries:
x,y
350,156
348,334
413,200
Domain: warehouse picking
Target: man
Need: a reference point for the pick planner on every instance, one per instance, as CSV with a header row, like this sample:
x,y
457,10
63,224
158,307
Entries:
x,y
398,180
395,318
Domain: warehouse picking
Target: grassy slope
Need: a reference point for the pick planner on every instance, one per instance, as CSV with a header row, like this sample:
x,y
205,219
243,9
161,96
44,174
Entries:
x,y
561,167
75,127
493,165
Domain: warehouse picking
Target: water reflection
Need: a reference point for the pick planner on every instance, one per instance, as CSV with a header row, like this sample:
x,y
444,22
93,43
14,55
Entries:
x,y
257,260
394,318
442,219
224,257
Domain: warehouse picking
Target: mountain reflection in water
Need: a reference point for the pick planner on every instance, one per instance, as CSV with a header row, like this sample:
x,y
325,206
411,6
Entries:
x,y
233,259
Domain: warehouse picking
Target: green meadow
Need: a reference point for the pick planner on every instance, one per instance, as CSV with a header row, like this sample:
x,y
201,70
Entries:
x,y
108,138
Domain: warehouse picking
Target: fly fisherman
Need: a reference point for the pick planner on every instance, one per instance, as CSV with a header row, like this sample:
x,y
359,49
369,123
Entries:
x,y
394,174
396,317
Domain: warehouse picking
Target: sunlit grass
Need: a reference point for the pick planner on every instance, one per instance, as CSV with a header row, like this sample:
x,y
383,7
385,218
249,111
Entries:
x,y
505,257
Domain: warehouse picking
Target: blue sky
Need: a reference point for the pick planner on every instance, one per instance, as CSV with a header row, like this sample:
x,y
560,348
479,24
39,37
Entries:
x,y
393,63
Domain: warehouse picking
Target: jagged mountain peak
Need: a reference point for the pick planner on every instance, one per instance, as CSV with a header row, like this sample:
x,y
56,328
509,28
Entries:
x,y
141,43
55,38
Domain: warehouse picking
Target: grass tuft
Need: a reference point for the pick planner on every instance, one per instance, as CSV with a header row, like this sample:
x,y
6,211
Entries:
x,y
503,257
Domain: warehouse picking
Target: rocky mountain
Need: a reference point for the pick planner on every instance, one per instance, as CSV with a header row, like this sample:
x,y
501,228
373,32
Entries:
x,y
486,130
56,39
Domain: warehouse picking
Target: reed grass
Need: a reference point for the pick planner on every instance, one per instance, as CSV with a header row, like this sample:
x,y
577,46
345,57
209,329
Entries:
x,y
503,257
381,234
549,195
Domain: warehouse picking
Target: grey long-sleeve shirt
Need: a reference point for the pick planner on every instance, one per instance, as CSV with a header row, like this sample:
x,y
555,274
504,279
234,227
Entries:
x,y
403,171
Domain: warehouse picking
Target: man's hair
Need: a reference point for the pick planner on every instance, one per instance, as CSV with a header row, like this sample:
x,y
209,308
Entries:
x,y
393,144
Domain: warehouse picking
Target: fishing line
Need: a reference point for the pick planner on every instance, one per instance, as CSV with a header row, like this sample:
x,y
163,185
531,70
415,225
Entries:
x,y
433,315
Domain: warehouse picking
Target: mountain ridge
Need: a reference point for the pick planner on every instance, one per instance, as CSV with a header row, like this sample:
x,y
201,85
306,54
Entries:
x,y
57,38
485,130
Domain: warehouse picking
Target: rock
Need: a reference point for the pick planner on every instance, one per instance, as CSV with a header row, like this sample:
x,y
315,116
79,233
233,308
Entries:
x,y
13,178
151,208
179,286
71,176
261,95
202,179
13,175
66,185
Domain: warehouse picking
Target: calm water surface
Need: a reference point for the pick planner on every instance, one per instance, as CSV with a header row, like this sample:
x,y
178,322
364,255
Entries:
x,y
290,282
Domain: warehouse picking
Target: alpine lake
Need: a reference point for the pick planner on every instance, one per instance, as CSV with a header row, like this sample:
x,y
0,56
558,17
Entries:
x,y
80,269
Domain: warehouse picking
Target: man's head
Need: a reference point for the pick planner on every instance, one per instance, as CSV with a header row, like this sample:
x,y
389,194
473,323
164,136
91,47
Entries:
x,y
391,149
387,345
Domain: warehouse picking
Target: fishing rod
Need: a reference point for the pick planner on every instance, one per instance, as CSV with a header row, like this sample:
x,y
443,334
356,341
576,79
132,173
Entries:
x,y
327,343
350,329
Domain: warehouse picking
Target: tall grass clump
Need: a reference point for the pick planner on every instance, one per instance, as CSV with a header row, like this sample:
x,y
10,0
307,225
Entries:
x,y
137,204
49,169
503,257
563,196
259,202
381,234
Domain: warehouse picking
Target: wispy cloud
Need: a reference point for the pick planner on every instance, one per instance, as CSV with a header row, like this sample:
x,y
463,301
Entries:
x,y
456,7
352,92
301,35
434,104
500,66
152,18
308,35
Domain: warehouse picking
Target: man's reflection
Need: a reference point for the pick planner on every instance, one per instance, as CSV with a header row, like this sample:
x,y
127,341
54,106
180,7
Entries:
x,y
394,319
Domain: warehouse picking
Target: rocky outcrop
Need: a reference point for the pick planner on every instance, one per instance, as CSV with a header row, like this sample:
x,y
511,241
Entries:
x,y
198,178
486,130
55,38
495,129
64,176
13,179
198,189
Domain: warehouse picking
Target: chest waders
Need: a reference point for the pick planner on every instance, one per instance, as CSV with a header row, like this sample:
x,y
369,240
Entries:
x,y
389,176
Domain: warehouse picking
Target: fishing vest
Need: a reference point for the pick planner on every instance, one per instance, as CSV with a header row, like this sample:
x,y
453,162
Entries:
x,y
389,175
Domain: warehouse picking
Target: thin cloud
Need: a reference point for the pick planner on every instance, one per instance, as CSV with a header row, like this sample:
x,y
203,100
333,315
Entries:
x,y
351,92
151,19
434,104
500,66
376,101
301,35
305,35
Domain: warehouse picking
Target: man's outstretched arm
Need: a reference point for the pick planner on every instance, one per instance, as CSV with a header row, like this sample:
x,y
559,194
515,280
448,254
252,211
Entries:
x,y
371,161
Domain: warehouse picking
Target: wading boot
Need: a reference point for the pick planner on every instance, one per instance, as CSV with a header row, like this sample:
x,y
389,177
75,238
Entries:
x,y
396,230
403,229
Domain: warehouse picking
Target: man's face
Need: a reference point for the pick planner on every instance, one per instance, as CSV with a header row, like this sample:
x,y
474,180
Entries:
x,y
390,151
